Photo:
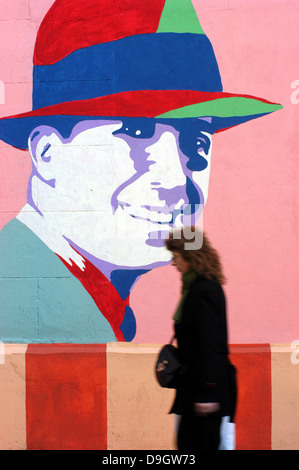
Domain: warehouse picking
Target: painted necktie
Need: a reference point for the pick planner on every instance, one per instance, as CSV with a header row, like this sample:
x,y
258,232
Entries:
x,y
115,309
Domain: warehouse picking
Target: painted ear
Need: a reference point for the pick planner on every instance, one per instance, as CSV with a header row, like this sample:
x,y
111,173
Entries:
x,y
44,145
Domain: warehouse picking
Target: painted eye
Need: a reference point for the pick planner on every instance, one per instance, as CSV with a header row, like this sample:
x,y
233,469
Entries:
x,y
195,147
198,162
203,145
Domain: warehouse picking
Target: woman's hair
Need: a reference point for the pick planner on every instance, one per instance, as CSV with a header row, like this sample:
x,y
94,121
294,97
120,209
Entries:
x,y
204,260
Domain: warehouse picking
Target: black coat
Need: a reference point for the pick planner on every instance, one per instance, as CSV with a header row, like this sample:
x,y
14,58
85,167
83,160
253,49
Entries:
x,y
202,341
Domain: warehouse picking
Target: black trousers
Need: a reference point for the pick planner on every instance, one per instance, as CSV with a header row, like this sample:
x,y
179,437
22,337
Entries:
x,y
198,433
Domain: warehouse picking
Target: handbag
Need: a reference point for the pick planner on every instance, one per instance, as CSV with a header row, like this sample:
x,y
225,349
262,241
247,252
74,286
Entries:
x,y
168,366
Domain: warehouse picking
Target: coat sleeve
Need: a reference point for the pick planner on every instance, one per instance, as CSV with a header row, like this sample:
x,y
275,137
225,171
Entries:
x,y
207,311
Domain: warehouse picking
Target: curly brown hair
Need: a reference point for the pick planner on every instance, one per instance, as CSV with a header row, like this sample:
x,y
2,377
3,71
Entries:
x,y
204,260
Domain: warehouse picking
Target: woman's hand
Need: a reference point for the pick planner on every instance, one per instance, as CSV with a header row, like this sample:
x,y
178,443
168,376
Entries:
x,y
204,409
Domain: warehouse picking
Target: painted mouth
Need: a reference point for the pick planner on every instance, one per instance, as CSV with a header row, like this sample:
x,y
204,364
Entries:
x,y
157,215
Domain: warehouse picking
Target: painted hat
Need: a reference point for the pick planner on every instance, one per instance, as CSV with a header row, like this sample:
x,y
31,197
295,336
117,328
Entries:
x,y
133,58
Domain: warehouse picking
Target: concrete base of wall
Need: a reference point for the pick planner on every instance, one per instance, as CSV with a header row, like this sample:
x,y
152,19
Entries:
x,y
106,397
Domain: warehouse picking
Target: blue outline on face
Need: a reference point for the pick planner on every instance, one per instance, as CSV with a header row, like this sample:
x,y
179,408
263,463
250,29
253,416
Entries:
x,y
192,143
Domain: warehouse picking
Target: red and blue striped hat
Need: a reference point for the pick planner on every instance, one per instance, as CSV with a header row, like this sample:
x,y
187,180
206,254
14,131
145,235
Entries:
x,y
133,58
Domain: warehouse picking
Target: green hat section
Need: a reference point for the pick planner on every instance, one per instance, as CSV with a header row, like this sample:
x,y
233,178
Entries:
x,y
235,106
179,16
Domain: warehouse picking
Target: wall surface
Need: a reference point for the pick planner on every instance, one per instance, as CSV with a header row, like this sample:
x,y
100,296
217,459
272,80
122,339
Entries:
x,y
93,374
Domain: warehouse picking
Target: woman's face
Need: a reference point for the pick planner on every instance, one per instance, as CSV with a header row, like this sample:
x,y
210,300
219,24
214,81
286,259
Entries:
x,y
180,263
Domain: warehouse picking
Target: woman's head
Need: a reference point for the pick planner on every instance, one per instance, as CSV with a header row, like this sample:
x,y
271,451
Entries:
x,y
204,260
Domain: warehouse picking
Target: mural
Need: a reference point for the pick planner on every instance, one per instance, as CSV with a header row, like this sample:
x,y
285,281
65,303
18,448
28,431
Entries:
x,y
120,134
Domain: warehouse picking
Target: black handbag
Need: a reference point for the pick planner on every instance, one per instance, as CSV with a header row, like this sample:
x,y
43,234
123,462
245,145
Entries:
x,y
168,366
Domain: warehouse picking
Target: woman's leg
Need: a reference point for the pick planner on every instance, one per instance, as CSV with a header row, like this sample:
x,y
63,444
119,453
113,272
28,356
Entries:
x,y
197,433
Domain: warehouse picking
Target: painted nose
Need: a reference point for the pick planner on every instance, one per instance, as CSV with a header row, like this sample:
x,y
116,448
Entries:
x,y
166,165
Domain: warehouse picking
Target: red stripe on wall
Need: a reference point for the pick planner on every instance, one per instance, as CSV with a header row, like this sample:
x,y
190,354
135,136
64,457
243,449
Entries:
x,y
253,415
66,399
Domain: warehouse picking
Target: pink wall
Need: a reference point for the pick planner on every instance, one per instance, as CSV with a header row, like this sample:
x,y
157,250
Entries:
x,y
251,214
252,211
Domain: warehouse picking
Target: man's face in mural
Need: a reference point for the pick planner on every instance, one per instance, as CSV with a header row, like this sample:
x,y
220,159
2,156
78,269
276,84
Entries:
x,y
116,187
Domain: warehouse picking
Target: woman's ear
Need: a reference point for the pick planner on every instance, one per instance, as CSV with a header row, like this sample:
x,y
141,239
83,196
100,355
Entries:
x,y
44,144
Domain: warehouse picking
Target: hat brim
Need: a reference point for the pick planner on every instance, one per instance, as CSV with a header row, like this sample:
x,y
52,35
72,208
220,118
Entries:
x,y
226,109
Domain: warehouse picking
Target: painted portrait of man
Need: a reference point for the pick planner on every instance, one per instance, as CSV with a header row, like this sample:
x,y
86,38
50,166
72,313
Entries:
x,y
125,108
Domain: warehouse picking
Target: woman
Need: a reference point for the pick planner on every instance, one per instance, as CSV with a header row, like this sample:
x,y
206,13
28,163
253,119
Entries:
x,y
207,392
